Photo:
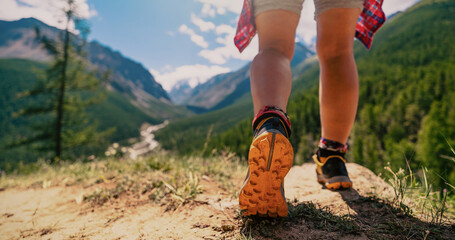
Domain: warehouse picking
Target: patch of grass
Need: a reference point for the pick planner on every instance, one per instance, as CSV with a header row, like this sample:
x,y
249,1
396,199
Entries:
x,y
102,195
245,237
162,185
162,178
223,166
169,180
415,196
401,182
184,188
155,164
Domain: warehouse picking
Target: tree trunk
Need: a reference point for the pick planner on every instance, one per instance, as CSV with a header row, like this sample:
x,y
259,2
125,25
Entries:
x,y
61,94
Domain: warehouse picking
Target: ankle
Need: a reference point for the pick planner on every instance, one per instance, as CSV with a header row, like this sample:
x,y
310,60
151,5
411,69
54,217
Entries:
x,y
272,117
329,148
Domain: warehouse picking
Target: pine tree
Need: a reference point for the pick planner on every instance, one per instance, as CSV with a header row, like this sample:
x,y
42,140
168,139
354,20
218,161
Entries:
x,y
60,99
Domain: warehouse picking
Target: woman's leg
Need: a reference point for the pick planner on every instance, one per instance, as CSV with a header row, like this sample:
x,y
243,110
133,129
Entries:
x,y
271,155
339,84
270,74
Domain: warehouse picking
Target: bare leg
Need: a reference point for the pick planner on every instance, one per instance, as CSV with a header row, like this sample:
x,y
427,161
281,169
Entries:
x,y
270,71
262,192
339,84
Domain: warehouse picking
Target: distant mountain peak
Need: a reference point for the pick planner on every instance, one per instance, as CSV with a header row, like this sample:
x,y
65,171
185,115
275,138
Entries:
x,y
224,89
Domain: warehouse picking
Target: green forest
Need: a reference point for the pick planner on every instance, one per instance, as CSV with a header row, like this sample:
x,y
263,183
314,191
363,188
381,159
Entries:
x,y
19,75
406,110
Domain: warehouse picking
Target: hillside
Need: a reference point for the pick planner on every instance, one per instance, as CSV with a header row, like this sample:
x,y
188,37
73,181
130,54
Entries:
x,y
18,75
129,78
190,134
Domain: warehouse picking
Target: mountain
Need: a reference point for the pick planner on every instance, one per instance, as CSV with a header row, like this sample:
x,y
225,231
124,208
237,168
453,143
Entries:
x,y
131,79
17,39
180,92
220,89
301,54
225,89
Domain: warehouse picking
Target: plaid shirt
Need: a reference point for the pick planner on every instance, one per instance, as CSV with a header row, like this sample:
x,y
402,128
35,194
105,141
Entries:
x,y
370,20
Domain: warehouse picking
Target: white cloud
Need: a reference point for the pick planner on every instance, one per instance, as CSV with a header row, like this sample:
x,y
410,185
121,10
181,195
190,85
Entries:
x,y
197,39
225,33
224,28
48,11
220,40
393,6
306,30
228,51
193,74
207,10
221,6
203,25
221,10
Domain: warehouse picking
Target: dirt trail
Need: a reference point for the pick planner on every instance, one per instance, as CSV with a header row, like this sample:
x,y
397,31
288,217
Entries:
x,y
58,213
54,213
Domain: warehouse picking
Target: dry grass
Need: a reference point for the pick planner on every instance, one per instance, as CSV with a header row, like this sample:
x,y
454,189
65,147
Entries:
x,y
161,178
415,196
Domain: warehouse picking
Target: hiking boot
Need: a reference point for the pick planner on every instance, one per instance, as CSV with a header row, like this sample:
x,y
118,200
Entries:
x,y
269,160
331,171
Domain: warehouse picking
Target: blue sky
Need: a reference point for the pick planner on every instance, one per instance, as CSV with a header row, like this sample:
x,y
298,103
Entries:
x,y
155,28
177,40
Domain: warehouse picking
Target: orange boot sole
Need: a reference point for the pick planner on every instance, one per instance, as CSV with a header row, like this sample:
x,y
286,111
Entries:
x,y
270,159
336,183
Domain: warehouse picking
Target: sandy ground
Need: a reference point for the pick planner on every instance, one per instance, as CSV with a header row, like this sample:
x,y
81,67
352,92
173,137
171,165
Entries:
x,y
58,213
301,184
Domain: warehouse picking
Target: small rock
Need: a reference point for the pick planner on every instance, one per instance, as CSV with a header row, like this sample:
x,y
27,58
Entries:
x,y
79,199
46,184
200,225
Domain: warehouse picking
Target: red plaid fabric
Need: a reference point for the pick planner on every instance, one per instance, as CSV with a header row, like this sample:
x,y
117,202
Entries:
x,y
370,20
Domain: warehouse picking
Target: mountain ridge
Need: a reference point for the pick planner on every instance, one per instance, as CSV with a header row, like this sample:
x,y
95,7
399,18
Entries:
x,y
128,77
225,89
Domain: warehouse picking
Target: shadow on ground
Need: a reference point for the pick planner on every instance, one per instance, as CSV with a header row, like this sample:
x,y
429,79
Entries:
x,y
373,219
